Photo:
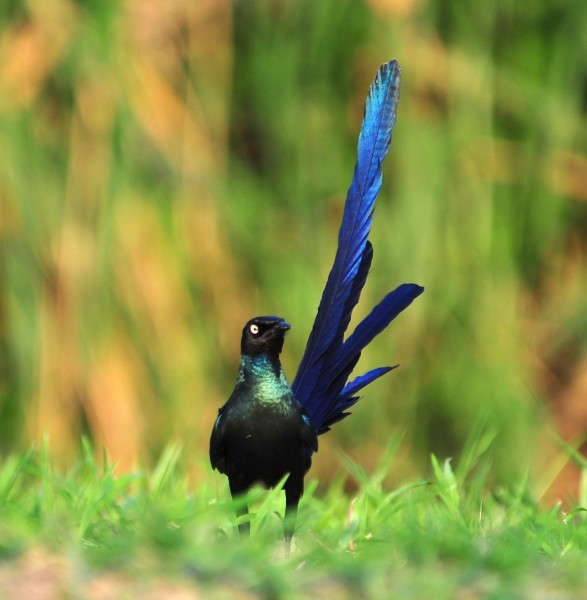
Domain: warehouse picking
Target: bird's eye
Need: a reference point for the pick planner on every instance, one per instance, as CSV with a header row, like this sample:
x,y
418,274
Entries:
x,y
254,329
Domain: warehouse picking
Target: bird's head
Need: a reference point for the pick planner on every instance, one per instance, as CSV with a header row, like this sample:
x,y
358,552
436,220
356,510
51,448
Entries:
x,y
264,335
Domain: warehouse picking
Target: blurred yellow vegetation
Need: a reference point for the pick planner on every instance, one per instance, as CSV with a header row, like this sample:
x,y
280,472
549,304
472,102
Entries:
x,y
170,168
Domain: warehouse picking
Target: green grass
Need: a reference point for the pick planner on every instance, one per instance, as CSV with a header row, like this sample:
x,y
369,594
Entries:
x,y
441,538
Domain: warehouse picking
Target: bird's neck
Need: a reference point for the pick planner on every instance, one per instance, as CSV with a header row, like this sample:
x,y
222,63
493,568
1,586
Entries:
x,y
264,375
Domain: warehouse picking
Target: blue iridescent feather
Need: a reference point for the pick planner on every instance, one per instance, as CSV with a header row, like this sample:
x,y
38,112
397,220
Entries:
x,y
321,382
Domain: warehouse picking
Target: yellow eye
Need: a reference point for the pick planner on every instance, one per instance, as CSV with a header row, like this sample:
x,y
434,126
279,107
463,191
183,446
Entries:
x,y
254,329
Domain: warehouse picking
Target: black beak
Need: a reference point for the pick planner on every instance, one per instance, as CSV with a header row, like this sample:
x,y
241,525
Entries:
x,y
283,326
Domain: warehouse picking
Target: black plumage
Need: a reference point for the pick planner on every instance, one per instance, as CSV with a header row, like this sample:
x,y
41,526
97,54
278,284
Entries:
x,y
263,432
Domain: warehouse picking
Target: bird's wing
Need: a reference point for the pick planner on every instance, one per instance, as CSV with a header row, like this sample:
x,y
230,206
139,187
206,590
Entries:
x,y
217,446
328,361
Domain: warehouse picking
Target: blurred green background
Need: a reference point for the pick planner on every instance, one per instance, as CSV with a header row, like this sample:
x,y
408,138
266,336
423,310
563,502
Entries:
x,y
170,168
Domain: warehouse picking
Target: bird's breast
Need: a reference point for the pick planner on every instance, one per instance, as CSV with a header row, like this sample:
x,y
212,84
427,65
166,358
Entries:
x,y
265,444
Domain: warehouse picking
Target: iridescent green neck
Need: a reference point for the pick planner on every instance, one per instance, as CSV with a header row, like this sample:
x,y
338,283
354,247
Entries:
x,y
265,376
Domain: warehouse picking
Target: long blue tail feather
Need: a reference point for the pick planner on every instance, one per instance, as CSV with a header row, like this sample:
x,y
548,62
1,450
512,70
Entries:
x,y
346,399
350,352
360,382
374,141
321,382
377,320
355,293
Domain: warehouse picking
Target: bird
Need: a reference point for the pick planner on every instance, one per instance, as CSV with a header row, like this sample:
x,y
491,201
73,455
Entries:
x,y
267,431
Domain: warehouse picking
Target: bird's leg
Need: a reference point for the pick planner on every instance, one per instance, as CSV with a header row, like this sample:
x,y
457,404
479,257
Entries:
x,y
289,526
292,499
236,491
